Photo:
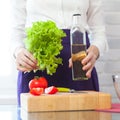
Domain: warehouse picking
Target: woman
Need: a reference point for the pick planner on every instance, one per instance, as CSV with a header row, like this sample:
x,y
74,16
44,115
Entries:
x,y
59,11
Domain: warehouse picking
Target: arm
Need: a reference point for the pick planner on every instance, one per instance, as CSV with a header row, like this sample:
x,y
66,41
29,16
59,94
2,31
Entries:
x,y
97,27
98,38
18,23
24,59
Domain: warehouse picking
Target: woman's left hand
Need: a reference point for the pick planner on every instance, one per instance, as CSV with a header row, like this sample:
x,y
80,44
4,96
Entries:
x,y
89,61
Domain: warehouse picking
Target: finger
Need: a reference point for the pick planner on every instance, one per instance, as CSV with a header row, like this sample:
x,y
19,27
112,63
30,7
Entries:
x,y
30,56
70,63
22,60
90,56
27,62
89,61
22,68
88,73
87,66
86,59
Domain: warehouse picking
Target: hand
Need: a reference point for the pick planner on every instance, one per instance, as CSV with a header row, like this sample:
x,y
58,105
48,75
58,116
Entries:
x,y
25,60
89,61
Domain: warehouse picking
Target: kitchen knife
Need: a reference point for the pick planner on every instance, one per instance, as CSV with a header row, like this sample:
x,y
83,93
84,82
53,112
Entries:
x,y
68,90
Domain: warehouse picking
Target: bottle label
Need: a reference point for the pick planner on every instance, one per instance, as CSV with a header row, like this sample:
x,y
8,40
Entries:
x,y
78,54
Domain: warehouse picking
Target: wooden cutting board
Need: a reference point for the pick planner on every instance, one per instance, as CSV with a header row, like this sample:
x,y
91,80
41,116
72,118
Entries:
x,y
85,100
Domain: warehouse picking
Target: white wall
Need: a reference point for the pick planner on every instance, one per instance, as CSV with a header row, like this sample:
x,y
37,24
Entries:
x,y
110,63
7,70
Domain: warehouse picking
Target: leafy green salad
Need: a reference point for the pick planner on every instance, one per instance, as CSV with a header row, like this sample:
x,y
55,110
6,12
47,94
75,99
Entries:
x,y
44,41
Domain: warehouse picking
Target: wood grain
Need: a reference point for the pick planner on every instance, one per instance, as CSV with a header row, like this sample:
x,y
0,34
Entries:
x,y
87,100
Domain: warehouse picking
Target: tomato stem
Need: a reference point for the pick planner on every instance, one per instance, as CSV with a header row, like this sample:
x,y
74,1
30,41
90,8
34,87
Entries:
x,y
36,77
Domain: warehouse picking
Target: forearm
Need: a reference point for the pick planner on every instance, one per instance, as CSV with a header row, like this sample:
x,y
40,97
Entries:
x,y
97,26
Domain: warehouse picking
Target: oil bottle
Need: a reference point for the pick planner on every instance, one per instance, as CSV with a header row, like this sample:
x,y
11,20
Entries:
x,y
78,47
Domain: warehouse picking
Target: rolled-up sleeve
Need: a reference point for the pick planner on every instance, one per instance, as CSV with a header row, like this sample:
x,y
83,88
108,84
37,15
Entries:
x,y
97,26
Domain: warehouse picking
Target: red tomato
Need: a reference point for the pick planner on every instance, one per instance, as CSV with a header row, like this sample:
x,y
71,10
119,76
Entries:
x,y
51,90
36,91
38,82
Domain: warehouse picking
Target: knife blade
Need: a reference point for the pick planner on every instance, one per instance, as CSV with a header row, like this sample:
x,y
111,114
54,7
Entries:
x,y
68,90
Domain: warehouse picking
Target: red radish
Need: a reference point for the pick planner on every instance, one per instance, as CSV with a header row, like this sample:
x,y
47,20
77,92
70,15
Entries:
x,y
51,90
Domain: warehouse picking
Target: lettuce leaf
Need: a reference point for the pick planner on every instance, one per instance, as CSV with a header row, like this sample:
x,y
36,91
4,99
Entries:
x,y
44,41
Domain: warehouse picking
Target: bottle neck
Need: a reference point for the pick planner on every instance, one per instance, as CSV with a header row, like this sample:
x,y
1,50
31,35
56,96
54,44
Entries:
x,y
78,35
76,19
77,22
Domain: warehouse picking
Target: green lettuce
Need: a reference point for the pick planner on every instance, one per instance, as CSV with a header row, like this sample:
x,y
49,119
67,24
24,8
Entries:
x,y
44,41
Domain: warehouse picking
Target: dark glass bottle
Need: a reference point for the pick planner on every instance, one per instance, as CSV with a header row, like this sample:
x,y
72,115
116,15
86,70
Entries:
x,y
78,47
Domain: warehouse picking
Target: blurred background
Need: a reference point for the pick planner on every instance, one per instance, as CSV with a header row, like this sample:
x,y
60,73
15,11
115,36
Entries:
x,y
109,64
106,66
8,71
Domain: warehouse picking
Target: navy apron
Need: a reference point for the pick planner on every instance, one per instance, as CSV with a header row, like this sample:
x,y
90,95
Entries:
x,y
63,75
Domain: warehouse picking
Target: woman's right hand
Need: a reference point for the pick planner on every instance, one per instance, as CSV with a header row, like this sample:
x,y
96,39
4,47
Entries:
x,y
25,61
